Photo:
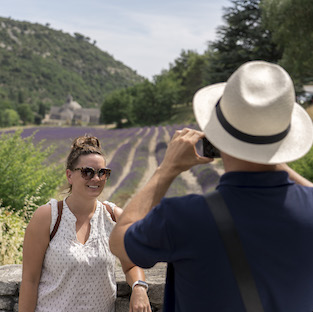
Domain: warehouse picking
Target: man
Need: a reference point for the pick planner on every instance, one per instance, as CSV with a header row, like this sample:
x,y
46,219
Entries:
x,y
253,120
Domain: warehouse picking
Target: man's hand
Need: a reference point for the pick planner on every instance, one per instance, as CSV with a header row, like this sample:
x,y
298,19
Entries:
x,y
139,301
181,152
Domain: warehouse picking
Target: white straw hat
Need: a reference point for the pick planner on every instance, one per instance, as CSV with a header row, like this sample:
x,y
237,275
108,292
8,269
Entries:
x,y
254,116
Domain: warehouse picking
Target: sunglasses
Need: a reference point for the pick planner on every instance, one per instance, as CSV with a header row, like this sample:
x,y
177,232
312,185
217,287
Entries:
x,y
88,173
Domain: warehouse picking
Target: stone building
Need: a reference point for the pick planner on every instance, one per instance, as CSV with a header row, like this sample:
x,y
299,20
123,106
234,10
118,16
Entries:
x,y
72,113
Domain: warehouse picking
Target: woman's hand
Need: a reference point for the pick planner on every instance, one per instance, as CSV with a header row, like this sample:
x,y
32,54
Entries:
x,y
139,301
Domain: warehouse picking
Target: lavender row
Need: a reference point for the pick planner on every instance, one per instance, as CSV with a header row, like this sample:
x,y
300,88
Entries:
x,y
179,186
120,157
140,162
161,145
172,128
114,138
62,138
207,177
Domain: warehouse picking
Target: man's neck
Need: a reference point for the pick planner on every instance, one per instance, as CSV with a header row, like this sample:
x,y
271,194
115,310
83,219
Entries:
x,y
235,164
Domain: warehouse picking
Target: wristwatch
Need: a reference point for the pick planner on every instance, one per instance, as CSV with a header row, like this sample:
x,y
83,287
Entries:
x,y
141,283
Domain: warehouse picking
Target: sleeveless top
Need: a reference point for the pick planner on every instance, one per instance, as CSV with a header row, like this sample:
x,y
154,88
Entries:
x,y
78,277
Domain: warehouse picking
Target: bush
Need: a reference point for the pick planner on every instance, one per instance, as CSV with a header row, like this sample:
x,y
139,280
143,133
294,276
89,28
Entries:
x,y
24,172
12,230
304,165
9,118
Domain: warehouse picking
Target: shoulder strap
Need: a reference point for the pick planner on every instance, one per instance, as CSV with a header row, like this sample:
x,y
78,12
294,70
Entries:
x,y
235,252
57,223
109,209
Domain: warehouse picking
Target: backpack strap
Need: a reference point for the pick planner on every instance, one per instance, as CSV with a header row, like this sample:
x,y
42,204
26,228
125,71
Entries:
x,y
235,252
57,223
110,210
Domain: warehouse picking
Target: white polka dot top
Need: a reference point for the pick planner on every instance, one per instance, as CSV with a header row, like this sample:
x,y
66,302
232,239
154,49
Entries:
x,y
78,277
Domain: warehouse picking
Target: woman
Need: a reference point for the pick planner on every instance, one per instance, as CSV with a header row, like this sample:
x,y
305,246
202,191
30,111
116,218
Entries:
x,y
75,270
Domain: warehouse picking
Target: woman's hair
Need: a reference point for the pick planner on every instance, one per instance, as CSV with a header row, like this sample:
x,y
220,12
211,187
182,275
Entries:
x,y
83,145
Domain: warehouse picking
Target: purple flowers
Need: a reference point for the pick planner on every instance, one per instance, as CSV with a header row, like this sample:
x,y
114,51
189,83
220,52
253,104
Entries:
x,y
119,144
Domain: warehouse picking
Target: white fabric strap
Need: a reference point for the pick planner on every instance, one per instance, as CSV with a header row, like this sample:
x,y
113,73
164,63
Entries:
x,y
141,283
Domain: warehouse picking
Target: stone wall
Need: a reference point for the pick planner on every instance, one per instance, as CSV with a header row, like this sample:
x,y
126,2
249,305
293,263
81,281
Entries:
x,y
11,275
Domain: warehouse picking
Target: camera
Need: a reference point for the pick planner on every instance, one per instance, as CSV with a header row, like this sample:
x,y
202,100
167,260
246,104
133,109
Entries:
x,y
209,150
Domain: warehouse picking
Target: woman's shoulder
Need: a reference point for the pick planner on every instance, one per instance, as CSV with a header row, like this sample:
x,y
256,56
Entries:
x,y
40,221
112,209
44,211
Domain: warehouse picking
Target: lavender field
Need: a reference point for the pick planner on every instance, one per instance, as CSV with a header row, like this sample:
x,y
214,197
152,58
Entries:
x,y
132,154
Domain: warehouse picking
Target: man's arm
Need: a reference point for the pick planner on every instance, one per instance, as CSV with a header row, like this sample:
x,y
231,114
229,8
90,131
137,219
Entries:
x,y
139,300
180,156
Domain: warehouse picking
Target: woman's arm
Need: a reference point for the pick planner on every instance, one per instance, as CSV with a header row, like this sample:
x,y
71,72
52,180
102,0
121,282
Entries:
x,y
139,300
294,176
36,241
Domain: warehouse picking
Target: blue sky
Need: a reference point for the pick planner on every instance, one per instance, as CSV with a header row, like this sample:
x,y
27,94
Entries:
x,y
146,35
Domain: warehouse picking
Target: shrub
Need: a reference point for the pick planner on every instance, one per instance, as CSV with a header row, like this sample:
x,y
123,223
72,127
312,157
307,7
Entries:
x,y
12,230
304,165
24,172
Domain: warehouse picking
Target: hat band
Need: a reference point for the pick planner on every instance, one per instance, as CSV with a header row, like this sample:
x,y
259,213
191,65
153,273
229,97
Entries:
x,y
255,139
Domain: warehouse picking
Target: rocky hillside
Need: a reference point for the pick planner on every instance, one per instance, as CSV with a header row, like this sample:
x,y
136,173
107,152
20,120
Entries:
x,y
38,63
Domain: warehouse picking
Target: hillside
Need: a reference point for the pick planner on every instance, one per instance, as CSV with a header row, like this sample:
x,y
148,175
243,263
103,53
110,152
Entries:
x,y
40,64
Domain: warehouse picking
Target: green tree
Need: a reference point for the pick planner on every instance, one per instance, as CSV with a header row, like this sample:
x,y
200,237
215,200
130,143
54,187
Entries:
x,y
26,113
188,70
241,39
143,109
114,108
9,118
193,76
291,24
167,92
152,103
24,171
42,109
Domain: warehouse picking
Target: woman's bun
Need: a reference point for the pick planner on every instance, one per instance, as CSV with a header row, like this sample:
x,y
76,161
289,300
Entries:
x,y
85,141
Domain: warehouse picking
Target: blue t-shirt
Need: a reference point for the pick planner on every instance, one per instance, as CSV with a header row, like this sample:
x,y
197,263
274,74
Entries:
x,y
274,218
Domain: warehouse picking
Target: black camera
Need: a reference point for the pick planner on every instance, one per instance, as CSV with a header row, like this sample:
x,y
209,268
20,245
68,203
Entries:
x,y
209,150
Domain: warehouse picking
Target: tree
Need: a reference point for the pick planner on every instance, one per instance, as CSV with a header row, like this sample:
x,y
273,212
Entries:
x,y
167,91
242,39
291,24
114,108
9,118
188,69
25,113
193,76
42,109
143,109
152,103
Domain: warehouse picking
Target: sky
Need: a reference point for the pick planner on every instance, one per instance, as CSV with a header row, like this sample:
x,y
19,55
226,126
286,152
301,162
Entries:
x,y
145,35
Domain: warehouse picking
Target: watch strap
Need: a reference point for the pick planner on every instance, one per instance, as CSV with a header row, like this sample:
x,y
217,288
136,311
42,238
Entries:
x,y
141,283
